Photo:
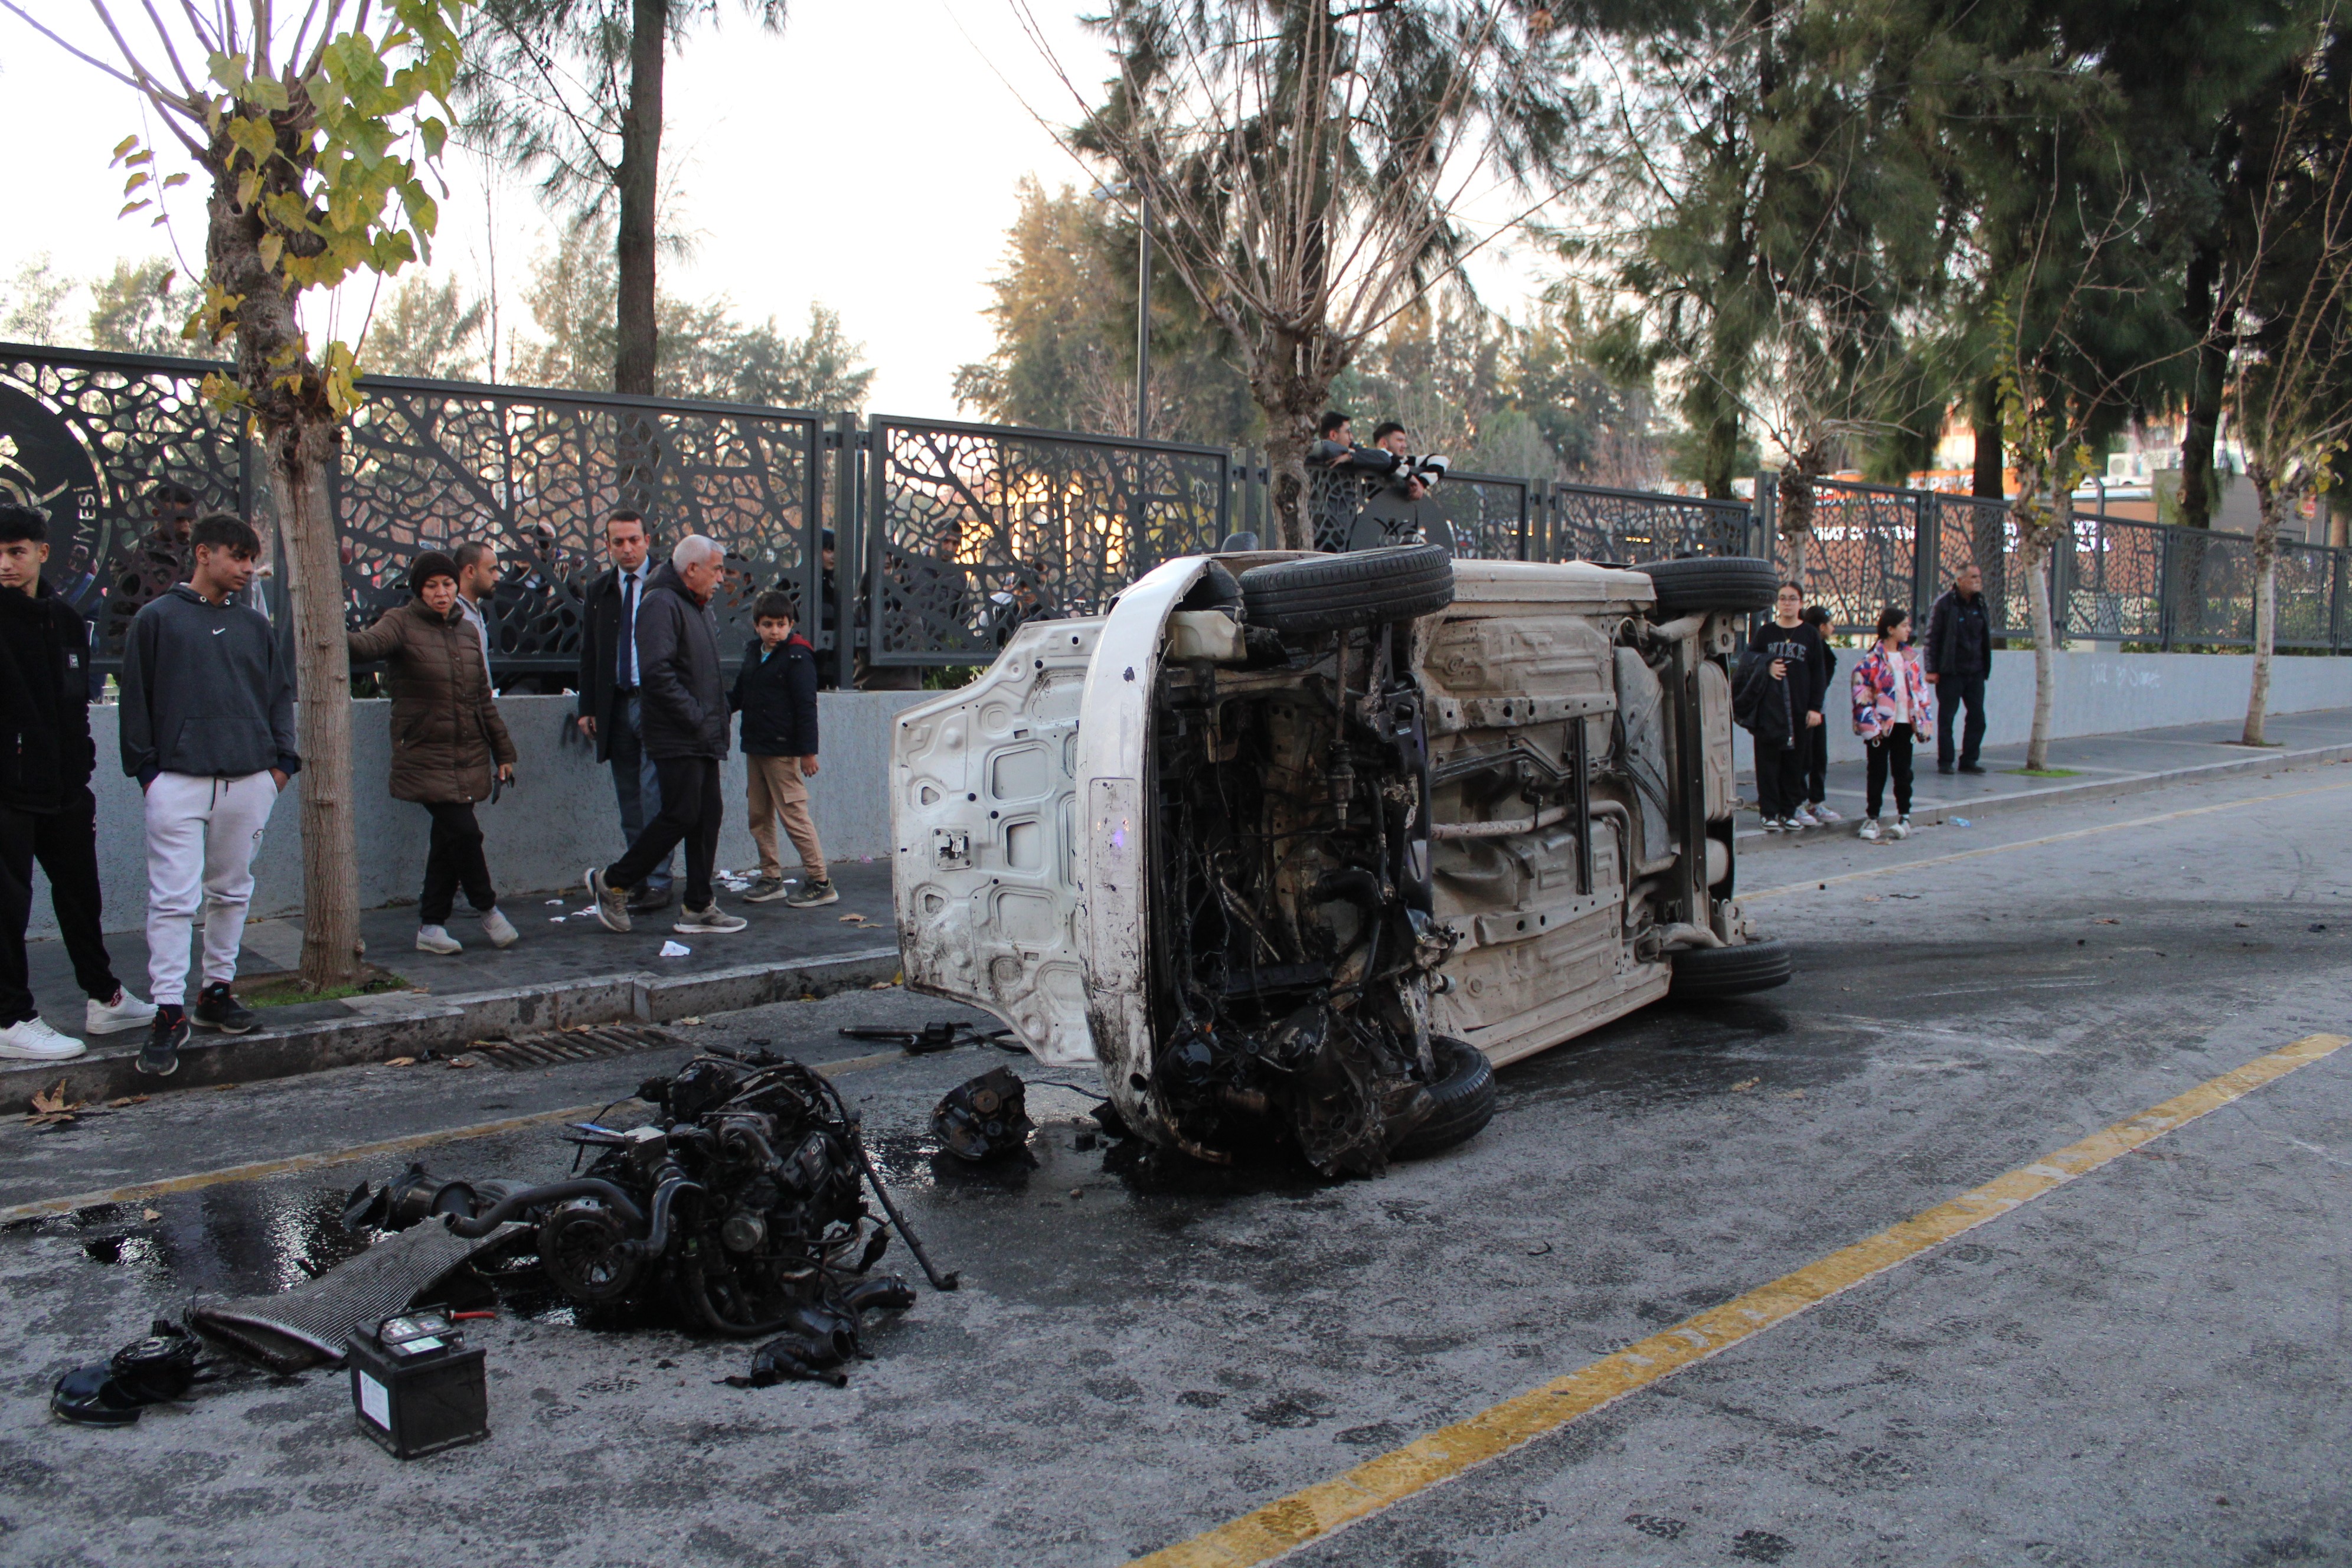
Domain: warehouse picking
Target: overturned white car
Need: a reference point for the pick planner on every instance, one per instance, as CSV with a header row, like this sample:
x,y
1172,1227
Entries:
x,y
1300,846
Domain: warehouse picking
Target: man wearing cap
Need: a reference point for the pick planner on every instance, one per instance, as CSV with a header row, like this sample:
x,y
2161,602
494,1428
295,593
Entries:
x,y
610,714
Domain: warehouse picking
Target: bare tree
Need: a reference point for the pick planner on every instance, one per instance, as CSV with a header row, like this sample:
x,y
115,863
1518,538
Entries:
x,y
314,133
1307,169
2288,387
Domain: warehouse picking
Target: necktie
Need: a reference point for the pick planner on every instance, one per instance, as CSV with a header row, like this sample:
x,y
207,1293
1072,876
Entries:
x,y
629,627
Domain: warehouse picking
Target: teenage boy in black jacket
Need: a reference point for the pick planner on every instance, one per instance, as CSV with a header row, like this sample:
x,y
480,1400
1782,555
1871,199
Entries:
x,y
776,693
47,811
1792,651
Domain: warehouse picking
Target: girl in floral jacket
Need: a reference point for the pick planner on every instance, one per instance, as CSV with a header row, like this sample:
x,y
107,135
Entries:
x,y
1893,706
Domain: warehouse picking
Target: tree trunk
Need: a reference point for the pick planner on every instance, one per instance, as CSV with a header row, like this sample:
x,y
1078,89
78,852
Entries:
x,y
300,457
1290,434
2036,539
299,435
1989,478
2266,535
638,181
1793,508
2201,420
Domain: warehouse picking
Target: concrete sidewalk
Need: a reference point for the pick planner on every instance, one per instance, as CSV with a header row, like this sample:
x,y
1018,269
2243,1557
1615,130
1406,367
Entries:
x,y
2099,766
566,970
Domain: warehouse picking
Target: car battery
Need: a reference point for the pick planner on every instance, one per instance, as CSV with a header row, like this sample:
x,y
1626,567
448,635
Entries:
x,y
416,1386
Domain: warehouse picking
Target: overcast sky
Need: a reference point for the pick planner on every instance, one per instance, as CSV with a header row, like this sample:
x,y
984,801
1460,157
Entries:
x,y
866,158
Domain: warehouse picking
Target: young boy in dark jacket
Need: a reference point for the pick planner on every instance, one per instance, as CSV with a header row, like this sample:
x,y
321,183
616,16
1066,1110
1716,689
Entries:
x,y
776,693
47,811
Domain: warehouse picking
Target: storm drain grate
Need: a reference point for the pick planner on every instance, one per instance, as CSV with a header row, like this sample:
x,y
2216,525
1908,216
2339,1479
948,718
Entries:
x,y
581,1043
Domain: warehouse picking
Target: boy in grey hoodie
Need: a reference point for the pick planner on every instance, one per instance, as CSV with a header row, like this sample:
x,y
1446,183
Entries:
x,y
208,731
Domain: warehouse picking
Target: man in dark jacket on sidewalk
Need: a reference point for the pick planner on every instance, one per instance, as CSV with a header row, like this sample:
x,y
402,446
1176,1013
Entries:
x,y
682,722
47,811
776,693
208,731
1959,656
609,702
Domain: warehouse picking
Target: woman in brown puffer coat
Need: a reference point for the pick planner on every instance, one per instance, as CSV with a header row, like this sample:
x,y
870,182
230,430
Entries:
x,y
447,742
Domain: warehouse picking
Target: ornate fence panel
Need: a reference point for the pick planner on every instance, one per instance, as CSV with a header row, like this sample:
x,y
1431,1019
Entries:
x,y
2115,581
2210,582
425,465
1490,515
1968,529
1864,552
1592,522
2308,583
973,528
429,464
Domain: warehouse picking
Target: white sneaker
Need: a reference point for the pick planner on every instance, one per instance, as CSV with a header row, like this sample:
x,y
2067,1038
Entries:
x,y
1868,831
1902,828
499,929
125,1012
1824,814
436,939
35,1041
1771,824
1805,818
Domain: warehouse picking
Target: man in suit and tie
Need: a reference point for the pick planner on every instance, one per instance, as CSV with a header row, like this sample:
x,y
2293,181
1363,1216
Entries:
x,y
608,689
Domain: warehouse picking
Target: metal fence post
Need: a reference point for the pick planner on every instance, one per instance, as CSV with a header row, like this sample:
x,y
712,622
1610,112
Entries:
x,y
2167,576
1759,516
848,536
1927,526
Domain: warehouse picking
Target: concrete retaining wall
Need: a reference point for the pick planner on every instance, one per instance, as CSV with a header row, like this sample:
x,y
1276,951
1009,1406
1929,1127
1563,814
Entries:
x,y
560,820
2110,693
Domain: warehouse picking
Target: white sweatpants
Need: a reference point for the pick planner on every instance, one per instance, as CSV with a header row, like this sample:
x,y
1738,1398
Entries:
x,y
202,836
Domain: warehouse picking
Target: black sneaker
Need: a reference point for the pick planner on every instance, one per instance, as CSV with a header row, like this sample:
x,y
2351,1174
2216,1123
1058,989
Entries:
x,y
218,1009
646,900
1970,768
160,1057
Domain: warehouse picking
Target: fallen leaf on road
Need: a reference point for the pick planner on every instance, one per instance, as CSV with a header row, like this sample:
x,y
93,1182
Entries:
x,y
2107,920
151,1215
461,1062
1744,1085
221,1086
1794,1094
402,1062
689,1020
128,1099
882,985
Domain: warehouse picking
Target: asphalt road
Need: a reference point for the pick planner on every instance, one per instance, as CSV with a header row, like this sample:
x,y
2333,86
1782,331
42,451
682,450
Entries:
x,y
2146,1366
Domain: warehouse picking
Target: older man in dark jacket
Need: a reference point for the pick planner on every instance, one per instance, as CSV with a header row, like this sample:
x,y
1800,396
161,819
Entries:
x,y
1959,656
682,720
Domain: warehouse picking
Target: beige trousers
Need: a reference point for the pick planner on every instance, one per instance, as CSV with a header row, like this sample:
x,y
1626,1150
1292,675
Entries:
x,y
778,790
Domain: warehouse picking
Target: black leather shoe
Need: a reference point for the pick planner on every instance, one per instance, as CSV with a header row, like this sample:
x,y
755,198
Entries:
x,y
647,903
217,1008
160,1057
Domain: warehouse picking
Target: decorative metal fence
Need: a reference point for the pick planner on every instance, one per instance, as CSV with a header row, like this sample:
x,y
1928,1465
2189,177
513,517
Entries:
x,y
973,529
944,537
93,438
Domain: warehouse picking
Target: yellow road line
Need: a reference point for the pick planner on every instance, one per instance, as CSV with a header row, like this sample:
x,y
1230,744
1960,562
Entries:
x,y
1290,1522
1813,884
294,1164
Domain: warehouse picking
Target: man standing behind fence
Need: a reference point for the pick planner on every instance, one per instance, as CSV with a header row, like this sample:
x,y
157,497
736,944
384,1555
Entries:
x,y
478,579
683,716
610,711
1959,656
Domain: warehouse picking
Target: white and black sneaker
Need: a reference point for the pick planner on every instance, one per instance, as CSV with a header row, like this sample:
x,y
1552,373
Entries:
x,y
1824,814
1902,828
1771,824
1868,831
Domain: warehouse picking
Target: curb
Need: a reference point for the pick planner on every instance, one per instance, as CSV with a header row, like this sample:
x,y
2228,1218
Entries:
x,y
405,1023
1755,840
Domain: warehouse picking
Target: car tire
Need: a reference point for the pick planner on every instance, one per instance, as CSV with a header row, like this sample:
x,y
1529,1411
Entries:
x,y
1713,585
1703,973
1465,1096
1330,593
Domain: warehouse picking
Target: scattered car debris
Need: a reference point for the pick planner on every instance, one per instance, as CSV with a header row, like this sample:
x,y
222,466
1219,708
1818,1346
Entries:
x,y
944,1035
156,1370
985,1118
738,1210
